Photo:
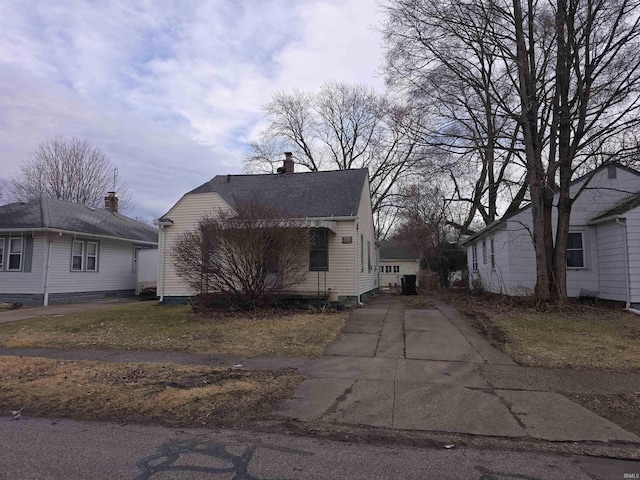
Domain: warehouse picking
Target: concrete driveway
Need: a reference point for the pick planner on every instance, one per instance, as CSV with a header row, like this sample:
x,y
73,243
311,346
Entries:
x,y
428,370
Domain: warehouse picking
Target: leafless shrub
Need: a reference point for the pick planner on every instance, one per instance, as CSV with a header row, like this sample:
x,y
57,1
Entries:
x,y
250,255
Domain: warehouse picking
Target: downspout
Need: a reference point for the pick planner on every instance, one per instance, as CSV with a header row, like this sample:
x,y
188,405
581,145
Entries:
x,y
161,265
45,289
626,267
357,249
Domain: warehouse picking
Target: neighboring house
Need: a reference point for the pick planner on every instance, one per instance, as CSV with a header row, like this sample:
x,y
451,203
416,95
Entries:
x,y
603,254
53,251
396,260
335,205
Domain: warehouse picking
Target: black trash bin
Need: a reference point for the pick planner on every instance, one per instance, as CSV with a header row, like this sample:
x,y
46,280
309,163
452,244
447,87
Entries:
x,y
409,285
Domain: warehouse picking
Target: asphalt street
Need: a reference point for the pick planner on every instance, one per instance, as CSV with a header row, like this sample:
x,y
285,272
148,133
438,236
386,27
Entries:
x,y
38,449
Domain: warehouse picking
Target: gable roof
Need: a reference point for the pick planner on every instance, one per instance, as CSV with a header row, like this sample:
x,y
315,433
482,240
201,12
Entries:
x,y
51,213
622,207
502,221
396,250
309,194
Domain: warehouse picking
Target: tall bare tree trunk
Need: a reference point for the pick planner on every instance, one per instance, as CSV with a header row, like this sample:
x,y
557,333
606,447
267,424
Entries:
x,y
533,149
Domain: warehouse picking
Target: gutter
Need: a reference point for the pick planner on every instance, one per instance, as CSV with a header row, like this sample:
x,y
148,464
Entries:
x,y
71,232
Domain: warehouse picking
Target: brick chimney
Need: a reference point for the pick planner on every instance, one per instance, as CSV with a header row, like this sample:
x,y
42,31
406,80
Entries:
x,y
288,162
111,202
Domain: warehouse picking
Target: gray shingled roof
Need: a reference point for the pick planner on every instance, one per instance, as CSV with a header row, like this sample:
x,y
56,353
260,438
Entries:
x,y
395,250
309,194
61,215
624,206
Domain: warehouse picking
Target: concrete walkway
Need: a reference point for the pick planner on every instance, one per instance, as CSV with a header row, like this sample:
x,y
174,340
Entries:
x,y
419,370
428,370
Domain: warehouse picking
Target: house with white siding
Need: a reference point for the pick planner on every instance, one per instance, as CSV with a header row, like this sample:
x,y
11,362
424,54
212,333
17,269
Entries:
x,y
53,251
397,260
334,205
603,254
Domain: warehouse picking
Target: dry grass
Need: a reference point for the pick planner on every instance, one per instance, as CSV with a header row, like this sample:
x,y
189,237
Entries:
x,y
166,394
149,326
602,337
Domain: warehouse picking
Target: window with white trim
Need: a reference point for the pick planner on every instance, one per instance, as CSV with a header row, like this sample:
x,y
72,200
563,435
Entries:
x,y
396,269
484,252
1,253
85,256
92,257
361,252
15,254
77,256
474,258
575,250
368,255
319,250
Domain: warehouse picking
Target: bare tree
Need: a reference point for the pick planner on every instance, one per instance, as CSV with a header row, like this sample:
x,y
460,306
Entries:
x,y
67,169
569,77
250,255
343,127
437,56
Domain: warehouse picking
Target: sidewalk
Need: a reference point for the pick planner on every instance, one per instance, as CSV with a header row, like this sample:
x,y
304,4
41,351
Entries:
x,y
419,370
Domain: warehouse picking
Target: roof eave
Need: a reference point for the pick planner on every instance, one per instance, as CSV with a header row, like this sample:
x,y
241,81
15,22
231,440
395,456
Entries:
x,y
72,232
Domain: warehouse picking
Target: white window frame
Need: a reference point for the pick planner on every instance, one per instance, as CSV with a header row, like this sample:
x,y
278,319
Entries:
x,y
87,256
10,254
369,256
396,269
484,252
2,254
474,258
492,253
583,250
82,263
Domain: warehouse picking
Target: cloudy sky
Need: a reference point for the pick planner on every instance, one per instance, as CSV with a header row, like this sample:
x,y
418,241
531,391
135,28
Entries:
x,y
170,91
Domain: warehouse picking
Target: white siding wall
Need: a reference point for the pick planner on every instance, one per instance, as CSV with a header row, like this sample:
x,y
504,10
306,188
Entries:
x,y
517,273
601,195
633,241
611,262
407,267
340,276
492,278
185,215
368,279
115,267
25,282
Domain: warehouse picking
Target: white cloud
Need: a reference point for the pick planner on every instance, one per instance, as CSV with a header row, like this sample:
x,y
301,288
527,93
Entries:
x,y
169,90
